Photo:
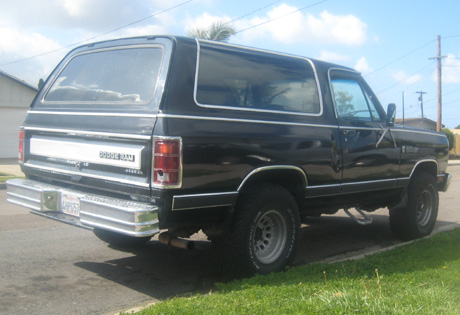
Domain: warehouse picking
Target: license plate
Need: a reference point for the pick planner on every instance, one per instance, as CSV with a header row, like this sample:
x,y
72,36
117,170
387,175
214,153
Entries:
x,y
70,203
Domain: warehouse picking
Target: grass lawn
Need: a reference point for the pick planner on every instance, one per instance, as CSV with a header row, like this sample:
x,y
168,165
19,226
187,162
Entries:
x,y
4,177
419,278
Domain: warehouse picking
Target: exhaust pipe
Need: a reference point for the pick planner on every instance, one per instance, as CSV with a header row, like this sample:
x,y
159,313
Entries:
x,y
171,240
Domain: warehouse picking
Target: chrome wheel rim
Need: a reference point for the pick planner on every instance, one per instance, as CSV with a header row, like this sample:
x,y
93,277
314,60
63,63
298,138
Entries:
x,y
424,208
269,237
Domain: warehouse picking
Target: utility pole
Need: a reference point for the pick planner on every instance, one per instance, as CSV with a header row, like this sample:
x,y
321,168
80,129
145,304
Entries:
x,y
403,107
439,67
420,98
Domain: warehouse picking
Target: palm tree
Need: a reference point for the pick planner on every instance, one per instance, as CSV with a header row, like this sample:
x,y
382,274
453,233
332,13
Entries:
x,y
218,31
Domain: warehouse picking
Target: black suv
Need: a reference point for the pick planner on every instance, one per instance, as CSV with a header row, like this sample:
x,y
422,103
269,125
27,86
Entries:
x,y
131,136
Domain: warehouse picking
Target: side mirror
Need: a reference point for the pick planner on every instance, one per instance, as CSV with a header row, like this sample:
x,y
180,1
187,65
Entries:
x,y
391,114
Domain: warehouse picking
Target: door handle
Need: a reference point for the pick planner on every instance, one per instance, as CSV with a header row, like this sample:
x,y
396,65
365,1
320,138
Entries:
x,y
349,132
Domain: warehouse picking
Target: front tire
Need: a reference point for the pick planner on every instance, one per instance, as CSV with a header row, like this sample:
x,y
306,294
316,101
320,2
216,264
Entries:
x,y
265,231
419,217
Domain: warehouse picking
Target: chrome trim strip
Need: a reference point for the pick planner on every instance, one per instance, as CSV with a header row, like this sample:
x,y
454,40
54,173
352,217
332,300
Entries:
x,y
370,182
40,112
122,222
424,161
396,180
270,122
206,195
202,207
223,204
123,47
67,172
424,132
330,85
274,167
256,110
361,128
89,133
103,153
323,186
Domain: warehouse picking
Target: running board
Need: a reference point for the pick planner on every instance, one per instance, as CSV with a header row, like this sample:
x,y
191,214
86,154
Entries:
x,y
365,220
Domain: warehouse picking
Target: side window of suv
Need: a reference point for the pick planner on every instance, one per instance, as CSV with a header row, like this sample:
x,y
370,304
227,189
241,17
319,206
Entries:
x,y
253,80
352,101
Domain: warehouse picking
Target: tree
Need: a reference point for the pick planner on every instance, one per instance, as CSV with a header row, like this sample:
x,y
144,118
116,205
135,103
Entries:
x,y
458,127
218,31
344,104
40,83
450,137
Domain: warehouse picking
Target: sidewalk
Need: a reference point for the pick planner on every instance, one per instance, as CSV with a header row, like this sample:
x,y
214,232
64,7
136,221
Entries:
x,y
11,167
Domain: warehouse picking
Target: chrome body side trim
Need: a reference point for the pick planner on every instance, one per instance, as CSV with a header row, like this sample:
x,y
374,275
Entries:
x,y
423,132
330,84
211,200
90,133
361,128
103,114
270,122
275,167
355,187
363,186
123,216
248,109
424,161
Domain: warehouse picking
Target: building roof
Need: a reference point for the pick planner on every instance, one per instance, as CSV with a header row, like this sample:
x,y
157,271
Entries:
x,y
19,81
417,121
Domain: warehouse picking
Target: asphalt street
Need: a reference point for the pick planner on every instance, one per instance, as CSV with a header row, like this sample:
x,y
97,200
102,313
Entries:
x,y
47,267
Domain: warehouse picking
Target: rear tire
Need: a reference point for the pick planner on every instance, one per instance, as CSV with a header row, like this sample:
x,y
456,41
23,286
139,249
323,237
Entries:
x,y
120,240
419,217
264,232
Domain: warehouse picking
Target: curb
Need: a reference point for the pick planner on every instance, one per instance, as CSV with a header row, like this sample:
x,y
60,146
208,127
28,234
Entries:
x,y
369,252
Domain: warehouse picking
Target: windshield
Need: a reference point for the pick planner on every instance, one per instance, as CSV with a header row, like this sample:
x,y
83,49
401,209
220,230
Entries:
x,y
124,75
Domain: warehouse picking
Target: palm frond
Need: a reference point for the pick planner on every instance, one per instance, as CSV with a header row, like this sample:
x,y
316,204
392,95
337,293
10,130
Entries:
x,y
218,31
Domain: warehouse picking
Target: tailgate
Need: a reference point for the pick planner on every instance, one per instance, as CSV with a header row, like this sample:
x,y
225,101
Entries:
x,y
116,161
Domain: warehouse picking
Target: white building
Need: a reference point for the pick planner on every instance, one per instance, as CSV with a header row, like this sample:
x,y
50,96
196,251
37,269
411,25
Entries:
x,y
15,99
423,123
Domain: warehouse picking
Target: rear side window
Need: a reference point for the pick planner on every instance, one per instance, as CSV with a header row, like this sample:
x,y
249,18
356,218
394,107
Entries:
x,y
252,80
126,75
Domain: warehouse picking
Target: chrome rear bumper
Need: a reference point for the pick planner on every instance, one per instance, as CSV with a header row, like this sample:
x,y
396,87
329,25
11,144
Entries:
x,y
95,211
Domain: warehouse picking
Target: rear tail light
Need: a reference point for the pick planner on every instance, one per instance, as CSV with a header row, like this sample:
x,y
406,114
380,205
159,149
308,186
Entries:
x,y
21,146
167,162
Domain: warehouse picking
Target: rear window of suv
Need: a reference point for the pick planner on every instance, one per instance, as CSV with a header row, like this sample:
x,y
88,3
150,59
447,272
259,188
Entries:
x,y
121,76
254,80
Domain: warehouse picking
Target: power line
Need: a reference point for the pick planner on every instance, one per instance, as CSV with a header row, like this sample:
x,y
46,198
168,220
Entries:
x,y
411,75
281,16
402,57
252,12
453,36
94,37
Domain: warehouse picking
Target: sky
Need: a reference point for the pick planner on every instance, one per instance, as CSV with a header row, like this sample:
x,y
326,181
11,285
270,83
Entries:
x,y
389,42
